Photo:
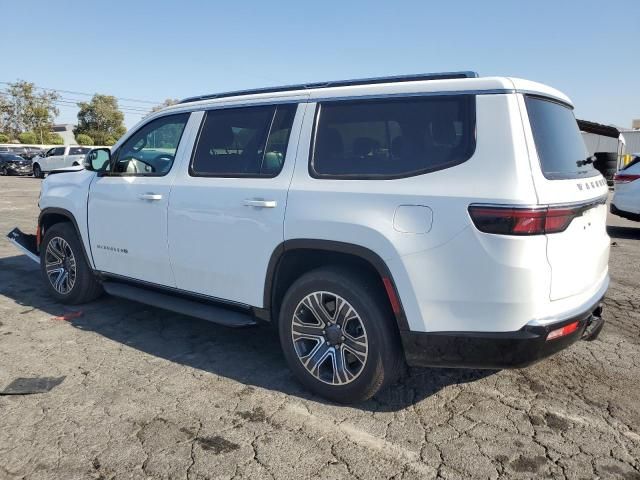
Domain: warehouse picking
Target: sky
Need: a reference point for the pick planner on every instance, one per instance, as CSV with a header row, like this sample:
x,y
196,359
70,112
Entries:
x,y
148,51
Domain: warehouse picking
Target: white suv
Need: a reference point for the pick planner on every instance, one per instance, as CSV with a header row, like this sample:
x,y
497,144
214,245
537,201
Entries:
x,y
439,219
58,157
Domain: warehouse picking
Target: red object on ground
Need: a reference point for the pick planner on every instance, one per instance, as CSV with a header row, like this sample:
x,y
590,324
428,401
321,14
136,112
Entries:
x,y
68,316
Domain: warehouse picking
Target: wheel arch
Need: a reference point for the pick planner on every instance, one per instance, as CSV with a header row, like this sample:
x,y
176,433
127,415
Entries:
x,y
292,258
51,216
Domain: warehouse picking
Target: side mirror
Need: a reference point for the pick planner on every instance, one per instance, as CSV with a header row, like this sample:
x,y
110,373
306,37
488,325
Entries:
x,y
97,160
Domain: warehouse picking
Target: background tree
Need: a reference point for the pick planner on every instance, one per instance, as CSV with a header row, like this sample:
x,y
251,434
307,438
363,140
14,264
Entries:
x,y
23,109
101,119
167,103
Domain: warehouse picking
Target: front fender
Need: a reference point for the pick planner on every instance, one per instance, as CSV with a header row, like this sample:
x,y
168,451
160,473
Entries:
x,y
66,193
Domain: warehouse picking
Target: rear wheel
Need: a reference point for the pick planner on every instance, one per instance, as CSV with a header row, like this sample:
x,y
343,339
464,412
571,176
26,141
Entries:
x,y
337,335
64,268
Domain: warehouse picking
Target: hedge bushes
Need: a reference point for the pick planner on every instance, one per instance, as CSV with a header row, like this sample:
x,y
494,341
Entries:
x,y
4,138
28,137
83,139
55,139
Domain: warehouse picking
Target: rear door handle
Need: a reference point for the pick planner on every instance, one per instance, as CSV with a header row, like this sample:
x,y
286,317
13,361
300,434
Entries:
x,y
260,203
150,196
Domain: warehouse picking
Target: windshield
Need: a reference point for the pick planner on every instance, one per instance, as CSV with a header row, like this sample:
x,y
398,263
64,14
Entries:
x,y
560,146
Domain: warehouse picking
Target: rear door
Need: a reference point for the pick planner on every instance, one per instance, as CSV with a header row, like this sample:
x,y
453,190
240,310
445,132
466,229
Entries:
x,y
566,181
75,156
226,215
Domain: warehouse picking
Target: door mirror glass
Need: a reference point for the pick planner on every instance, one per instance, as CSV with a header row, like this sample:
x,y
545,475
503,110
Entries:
x,y
97,160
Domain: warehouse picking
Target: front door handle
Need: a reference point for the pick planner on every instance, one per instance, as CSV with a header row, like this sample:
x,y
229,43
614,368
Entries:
x,y
150,196
260,203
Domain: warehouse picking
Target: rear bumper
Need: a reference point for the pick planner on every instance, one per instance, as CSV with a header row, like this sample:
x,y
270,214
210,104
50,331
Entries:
x,y
497,350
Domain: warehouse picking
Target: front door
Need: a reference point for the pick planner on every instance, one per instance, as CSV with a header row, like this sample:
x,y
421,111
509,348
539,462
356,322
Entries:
x,y
128,203
226,215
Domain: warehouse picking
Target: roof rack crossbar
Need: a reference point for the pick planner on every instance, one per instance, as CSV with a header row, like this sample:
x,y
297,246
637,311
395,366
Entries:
x,y
336,83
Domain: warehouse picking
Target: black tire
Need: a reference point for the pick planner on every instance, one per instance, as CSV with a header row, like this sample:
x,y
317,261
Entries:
x,y
37,171
85,286
3,171
384,360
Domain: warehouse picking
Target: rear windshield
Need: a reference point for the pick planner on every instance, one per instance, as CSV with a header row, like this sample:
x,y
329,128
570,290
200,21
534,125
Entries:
x,y
560,146
78,150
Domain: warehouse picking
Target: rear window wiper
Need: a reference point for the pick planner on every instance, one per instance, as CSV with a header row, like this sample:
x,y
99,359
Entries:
x,y
587,161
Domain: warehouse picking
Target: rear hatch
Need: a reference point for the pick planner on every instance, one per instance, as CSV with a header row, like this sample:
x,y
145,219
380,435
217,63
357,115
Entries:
x,y
566,181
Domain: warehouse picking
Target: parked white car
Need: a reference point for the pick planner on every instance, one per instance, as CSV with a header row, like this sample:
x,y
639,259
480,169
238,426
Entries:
x,y
626,196
58,157
439,219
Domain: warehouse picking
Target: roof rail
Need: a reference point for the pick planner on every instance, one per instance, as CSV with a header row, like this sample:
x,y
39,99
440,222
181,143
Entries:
x,y
336,83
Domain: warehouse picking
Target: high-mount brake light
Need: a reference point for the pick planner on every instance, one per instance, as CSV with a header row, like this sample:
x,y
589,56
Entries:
x,y
624,178
522,221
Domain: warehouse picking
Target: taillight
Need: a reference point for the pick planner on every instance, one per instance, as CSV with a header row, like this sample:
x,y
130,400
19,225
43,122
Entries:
x,y
624,178
522,221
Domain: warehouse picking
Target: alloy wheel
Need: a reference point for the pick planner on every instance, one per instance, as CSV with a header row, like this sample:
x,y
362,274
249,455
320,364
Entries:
x,y
60,265
329,338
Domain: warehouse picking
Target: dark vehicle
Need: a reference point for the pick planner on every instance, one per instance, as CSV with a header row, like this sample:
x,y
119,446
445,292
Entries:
x,y
12,164
31,152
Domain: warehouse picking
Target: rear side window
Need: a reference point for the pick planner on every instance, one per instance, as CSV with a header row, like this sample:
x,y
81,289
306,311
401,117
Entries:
x,y
78,150
243,142
560,146
392,138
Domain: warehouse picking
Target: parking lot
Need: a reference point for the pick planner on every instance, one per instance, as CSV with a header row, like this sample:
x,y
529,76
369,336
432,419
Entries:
x,y
146,393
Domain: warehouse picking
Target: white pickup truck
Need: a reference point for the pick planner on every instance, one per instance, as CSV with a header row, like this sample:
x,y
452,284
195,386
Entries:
x,y
58,157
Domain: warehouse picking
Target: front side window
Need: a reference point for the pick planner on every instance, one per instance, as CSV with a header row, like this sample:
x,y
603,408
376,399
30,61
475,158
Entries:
x,y
58,151
561,149
243,142
152,149
392,138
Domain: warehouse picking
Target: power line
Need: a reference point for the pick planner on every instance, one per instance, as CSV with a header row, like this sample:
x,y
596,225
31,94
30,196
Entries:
x,y
76,100
65,102
150,102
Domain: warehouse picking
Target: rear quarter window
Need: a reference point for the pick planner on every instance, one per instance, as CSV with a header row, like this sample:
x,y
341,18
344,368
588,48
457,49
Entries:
x,y
392,138
561,149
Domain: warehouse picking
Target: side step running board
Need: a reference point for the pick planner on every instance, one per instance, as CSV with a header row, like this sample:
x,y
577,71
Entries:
x,y
25,243
193,308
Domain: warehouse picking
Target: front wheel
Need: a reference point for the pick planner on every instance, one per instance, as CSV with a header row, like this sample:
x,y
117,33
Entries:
x,y
37,171
4,172
65,271
338,335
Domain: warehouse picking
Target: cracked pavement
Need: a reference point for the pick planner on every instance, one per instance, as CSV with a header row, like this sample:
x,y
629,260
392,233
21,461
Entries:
x,y
152,394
